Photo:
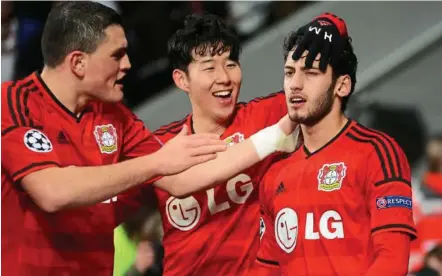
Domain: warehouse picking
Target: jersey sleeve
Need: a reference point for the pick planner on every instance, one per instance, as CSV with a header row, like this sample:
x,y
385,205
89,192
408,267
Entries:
x,y
267,247
266,111
389,193
137,139
26,150
130,202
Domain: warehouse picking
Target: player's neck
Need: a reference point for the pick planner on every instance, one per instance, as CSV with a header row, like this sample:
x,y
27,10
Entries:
x,y
319,134
63,89
203,124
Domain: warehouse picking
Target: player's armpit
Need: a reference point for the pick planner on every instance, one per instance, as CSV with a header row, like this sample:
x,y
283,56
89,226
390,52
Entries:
x,y
392,252
262,267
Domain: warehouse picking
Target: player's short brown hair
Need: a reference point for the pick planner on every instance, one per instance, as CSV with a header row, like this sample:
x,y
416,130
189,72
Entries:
x,y
74,26
346,65
200,34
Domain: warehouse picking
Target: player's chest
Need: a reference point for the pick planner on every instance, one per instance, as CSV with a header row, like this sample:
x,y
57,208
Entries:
x,y
325,182
313,191
224,201
93,140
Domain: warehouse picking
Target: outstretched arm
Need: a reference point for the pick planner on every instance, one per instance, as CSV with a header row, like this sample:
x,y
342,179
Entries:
x,y
56,188
279,137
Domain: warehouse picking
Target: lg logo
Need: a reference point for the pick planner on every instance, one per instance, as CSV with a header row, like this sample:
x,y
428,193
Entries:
x,y
184,214
336,230
286,228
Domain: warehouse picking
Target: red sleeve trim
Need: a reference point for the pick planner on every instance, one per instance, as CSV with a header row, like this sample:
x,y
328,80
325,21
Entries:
x,y
392,180
387,150
267,262
17,99
272,95
174,127
9,129
151,136
33,167
392,251
396,227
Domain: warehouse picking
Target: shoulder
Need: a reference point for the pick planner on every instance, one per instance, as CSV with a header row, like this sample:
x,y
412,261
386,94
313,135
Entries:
x,y
278,96
368,140
15,97
262,111
169,131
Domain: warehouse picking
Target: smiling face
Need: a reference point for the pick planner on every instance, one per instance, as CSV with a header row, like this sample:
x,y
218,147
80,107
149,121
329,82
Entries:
x,y
212,83
106,66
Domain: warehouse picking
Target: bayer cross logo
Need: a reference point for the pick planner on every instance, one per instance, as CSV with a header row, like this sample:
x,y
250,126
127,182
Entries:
x,y
37,141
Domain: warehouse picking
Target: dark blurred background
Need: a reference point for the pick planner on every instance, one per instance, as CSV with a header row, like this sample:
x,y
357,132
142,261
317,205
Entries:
x,y
148,24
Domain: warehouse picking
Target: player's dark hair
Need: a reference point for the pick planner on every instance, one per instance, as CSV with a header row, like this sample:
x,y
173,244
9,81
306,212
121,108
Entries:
x,y
347,64
202,33
75,26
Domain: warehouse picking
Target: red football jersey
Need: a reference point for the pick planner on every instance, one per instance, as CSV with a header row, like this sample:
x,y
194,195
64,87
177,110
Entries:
x,y
38,133
214,232
320,210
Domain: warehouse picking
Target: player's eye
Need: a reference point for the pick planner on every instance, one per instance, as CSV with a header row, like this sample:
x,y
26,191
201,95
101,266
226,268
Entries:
x,y
209,69
288,73
312,73
119,54
231,65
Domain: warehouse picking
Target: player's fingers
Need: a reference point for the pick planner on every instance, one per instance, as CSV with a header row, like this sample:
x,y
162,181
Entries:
x,y
336,51
204,141
184,131
302,46
207,149
325,56
312,53
203,158
300,49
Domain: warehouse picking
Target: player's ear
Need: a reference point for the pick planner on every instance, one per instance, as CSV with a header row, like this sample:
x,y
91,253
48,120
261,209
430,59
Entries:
x,y
343,86
77,62
181,79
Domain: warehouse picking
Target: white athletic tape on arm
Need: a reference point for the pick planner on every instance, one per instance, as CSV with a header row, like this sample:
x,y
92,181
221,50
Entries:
x,y
268,140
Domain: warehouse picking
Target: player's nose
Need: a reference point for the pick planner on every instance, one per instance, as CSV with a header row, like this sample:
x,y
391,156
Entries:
x,y
297,82
222,76
125,64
